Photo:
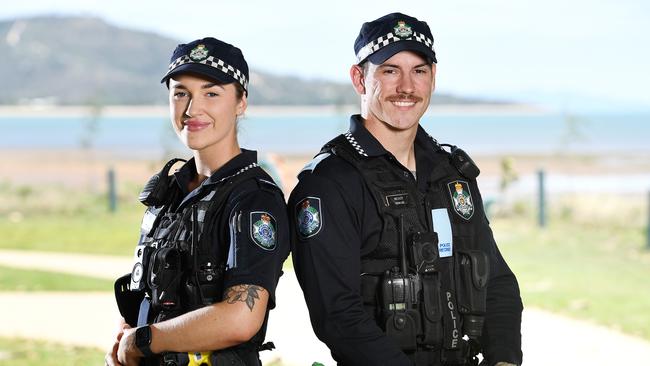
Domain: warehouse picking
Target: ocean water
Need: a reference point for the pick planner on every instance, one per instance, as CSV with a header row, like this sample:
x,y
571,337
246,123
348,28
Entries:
x,y
475,133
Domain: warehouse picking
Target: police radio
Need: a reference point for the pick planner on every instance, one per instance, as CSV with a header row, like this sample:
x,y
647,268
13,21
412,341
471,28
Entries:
x,y
462,162
399,291
155,192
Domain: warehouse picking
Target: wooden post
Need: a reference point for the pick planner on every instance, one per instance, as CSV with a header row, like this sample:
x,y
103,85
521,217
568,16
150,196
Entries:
x,y
112,195
647,236
541,214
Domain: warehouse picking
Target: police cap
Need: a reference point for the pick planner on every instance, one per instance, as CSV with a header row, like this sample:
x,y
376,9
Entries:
x,y
210,58
380,39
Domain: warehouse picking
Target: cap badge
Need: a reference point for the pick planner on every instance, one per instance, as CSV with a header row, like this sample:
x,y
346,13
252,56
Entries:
x,y
199,53
403,30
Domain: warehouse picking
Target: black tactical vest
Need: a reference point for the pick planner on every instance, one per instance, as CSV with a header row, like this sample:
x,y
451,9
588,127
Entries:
x,y
178,264
421,293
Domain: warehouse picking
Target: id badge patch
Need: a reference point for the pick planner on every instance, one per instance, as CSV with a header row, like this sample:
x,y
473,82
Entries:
x,y
309,217
263,230
442,227
461,198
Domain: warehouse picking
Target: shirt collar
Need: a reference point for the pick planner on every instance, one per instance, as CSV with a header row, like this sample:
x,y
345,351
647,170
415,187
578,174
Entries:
x,y
245,160
367,145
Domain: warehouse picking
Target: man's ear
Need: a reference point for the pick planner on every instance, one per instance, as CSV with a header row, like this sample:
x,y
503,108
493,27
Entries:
x,y
358,79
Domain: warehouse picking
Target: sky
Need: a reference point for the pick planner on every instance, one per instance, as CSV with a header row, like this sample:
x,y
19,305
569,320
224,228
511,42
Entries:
x,y
567,54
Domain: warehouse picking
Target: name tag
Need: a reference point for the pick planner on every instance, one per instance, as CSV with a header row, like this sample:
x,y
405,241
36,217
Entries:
x,y
400,199
442,227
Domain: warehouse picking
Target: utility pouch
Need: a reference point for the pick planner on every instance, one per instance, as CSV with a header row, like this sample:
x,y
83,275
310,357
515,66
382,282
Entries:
x,y
206,289
128,301
431,310
472,270
165,277
401,317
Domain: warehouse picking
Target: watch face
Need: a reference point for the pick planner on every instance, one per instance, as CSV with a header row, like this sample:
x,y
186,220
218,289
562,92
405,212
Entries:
x,y
143,339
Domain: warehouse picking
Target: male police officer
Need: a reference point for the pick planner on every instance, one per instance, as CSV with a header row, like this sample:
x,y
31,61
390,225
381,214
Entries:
x,y
392,247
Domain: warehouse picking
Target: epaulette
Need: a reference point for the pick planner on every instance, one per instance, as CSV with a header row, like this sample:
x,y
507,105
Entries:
x,y
314,162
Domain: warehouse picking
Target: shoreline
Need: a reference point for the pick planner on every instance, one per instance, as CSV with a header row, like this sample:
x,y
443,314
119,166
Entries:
x,y
263,110
79,167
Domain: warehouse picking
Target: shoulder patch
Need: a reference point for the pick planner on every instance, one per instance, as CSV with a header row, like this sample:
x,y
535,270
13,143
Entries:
x,y
263,230
461,198
312,164
309,217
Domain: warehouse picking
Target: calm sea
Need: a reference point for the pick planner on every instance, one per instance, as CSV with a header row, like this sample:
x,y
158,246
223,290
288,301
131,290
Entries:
x,y
477,134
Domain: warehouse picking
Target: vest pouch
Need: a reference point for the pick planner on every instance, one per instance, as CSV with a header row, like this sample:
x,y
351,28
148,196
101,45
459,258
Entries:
x,y
473,269
399,308
431,310
369,292
164,278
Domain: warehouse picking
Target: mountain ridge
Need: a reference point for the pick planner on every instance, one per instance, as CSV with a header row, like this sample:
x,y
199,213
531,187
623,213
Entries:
x,y
74,60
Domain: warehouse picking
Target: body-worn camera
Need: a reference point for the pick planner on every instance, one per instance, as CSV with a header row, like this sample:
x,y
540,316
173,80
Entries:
x,y
424,251
140,259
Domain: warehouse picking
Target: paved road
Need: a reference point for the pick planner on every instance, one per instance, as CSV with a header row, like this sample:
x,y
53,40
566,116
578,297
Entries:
x,y
90,319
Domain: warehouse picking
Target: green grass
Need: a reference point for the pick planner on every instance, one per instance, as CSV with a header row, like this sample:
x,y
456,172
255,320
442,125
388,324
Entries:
x,y
12,279
100,233
585,266
26,352
590,262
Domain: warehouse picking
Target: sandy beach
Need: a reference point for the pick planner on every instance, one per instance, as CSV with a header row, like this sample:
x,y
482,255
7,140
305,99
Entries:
x,y
78,168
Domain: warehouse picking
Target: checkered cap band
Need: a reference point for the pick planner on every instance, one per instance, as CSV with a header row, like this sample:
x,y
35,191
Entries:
x,y
212,62
389,38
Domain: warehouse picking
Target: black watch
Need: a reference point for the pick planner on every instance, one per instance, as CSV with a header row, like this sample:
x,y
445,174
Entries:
x,y
143,340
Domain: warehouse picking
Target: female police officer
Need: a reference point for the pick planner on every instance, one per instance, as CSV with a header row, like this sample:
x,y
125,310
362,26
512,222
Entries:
x,y
214,235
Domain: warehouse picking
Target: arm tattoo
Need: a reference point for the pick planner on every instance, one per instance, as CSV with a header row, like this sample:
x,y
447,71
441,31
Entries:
x,y
243,293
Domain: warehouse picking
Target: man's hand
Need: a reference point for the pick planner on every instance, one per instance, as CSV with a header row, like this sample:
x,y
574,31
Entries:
x,y
127,353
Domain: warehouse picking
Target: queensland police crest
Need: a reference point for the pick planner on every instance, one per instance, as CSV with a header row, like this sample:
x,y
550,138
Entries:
x,y
263,230
199,53
461,198
309,217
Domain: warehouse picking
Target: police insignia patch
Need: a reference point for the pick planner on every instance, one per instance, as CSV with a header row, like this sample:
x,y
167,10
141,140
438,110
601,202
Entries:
x,y
402,29
263,230
308,215
461,198
199,53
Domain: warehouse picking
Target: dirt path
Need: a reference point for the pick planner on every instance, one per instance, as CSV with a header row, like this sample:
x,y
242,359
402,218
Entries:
x,y
90,319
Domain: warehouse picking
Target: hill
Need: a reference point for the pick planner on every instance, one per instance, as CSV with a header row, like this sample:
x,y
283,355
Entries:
x,y
84,60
